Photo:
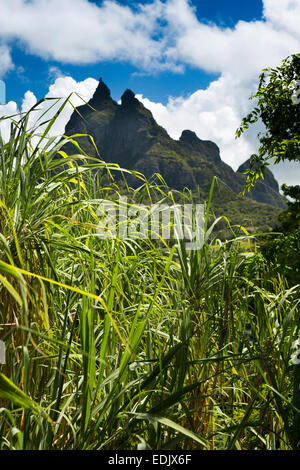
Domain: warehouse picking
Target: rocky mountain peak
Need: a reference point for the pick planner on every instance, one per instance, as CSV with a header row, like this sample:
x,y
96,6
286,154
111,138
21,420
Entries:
x,y
189,137
128,100
269,177
128,134
207,148
101,94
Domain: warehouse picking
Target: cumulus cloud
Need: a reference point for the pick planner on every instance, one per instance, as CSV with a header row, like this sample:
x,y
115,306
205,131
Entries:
x,y
243,50
211,115
155,36
63,87
284,15
158,36
54,72
238,54
77,92
28,102
81,32
214,114
6,110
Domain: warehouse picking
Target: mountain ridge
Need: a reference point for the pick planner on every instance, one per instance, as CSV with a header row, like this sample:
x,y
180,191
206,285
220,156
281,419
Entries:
x,y
128,134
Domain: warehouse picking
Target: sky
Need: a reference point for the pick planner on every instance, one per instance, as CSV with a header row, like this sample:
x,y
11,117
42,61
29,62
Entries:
x,y
194,64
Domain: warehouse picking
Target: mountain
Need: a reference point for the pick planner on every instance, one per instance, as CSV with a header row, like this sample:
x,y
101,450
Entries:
x,y
127,134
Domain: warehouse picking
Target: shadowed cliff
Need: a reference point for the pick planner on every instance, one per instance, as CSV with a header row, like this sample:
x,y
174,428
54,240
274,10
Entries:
x,y
127,134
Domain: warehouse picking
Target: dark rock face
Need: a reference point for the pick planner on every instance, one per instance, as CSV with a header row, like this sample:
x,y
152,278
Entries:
x,y
127,134
191,141
129,101
101,94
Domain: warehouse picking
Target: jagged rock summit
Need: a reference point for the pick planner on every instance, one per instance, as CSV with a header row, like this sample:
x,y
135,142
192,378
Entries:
x,y
128,100
128,134
101,94
207,148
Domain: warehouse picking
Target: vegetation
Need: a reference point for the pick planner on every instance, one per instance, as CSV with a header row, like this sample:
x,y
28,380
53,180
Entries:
x,y
135,343
127,134
278,107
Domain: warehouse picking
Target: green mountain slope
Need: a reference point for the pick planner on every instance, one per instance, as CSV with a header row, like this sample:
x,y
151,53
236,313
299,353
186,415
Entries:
x,y
128,134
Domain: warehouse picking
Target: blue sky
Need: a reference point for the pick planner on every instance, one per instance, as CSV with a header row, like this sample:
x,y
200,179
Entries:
x,y
33,72
194,64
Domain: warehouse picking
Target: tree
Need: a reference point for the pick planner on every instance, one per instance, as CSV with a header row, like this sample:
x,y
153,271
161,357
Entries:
x,y
278,107
289,220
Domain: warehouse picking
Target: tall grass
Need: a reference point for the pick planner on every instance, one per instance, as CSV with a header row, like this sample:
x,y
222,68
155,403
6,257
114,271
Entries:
x,y
136,343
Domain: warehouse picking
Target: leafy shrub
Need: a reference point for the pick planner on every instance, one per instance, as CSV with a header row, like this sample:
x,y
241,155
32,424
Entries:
x,y
283,256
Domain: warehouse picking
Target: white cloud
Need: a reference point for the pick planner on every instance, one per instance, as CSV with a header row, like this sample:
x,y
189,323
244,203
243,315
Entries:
x,y
28,101
241,51
9,109
239,55
284,15
211,113
157,36
80,32
61,89
214,114
6,63
54,72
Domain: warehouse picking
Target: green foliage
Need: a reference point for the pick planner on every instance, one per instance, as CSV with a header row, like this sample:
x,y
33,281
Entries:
x,y
135,343
282,254
279,114
289,220
127,134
